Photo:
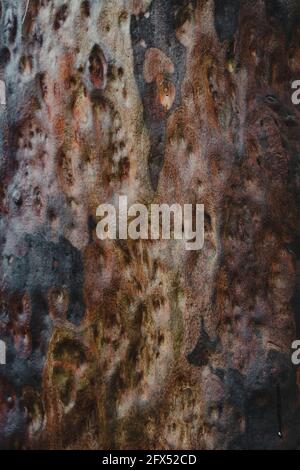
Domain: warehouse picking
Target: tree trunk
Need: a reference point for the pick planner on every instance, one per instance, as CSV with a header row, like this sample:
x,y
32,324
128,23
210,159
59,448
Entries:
x,y
142,344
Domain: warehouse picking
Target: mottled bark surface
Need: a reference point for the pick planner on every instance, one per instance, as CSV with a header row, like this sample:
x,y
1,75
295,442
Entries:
x,y
142,344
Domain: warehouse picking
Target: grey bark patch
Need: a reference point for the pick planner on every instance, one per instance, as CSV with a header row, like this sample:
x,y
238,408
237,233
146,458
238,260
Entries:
x,y
226,18
256,398
48,264
45,265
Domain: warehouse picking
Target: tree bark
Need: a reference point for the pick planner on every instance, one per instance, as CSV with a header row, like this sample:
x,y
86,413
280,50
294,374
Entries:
x,y
142,344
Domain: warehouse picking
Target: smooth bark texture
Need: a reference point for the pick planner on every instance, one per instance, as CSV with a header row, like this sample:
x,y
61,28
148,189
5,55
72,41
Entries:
x,y
142,344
